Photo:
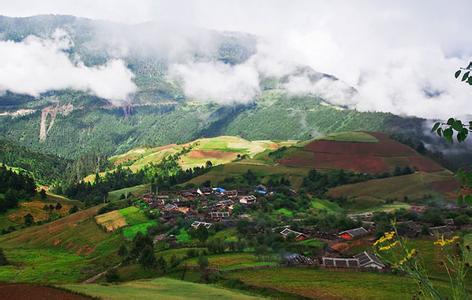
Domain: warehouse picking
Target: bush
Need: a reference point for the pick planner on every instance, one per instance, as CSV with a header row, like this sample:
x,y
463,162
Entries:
x,y
112,276
3,258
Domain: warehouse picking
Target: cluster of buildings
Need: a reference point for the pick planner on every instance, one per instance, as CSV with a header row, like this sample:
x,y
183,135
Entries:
x,y
205,205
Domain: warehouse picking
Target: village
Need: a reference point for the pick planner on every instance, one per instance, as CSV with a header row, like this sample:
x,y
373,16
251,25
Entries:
x,y
209,208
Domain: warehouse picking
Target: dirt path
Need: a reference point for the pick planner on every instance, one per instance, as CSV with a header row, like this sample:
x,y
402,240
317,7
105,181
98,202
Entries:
x,y
99,275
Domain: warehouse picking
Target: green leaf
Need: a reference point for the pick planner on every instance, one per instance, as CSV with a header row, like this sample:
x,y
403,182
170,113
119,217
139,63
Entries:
x,y
451,121
457,125
448,134
469,81
462,134
465,76
457,73
439,131
436,126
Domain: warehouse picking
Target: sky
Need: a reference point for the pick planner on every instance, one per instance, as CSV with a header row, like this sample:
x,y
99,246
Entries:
x,y
399,55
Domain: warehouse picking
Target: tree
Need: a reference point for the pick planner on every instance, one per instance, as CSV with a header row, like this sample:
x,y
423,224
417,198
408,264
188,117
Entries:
x,y
161,264
42,194
123,251
73,209
203,266
3,258
147,258
58,206
112,276
456,126
28,219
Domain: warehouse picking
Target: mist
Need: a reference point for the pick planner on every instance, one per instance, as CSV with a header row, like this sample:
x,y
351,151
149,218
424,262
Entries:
x,y
34,66
398,57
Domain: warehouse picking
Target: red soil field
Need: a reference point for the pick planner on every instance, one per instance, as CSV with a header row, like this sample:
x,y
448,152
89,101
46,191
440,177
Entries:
x,y
379,157
36,292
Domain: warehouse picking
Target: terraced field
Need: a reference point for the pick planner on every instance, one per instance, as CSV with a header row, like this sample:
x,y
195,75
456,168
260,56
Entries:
x,y
35,207
131,219
414,186
218,150
358,152
70,249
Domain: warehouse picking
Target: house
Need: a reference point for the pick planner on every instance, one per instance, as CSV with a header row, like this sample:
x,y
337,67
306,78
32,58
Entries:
x,y
261,190
335,262
369,260
440,230
197,224
363,260
366,216
149,198
409,228
225,202
296,259
289,232
205,191
419,209
248,200
219,190
170,207
189,195
184,210
449,222
219,214
231,194
353,234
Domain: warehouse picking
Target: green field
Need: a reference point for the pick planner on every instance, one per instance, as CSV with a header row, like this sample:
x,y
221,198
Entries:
x,y
325,284
374,192
351,136
285,212
73,247
232,261
160,288
468,242
131,231
42,265
219,173
326,205
135,190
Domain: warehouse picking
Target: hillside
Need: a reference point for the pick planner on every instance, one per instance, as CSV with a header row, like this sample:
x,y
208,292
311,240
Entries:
x,y
72,248
43,167
70,123
358,152
217,150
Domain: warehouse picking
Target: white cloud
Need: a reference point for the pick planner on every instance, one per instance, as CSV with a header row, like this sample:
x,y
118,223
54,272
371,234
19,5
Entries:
x,y
217,82
35,65
397,54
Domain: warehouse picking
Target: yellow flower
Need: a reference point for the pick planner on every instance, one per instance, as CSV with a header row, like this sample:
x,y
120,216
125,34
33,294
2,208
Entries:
x,y
386,237
389,246
444,242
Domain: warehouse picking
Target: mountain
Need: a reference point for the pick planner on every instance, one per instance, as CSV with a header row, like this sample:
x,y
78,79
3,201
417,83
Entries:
x,y
71,124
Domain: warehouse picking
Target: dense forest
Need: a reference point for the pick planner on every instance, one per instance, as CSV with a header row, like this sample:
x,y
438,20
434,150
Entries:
x,y
14,186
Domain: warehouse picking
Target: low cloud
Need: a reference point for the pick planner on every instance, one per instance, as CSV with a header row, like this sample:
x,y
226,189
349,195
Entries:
x,y
34,66
217,82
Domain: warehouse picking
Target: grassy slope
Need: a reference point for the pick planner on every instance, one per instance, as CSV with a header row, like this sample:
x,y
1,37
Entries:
x,y
413,186
218,150
34,206
67,250
231,261
160,288
325,284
